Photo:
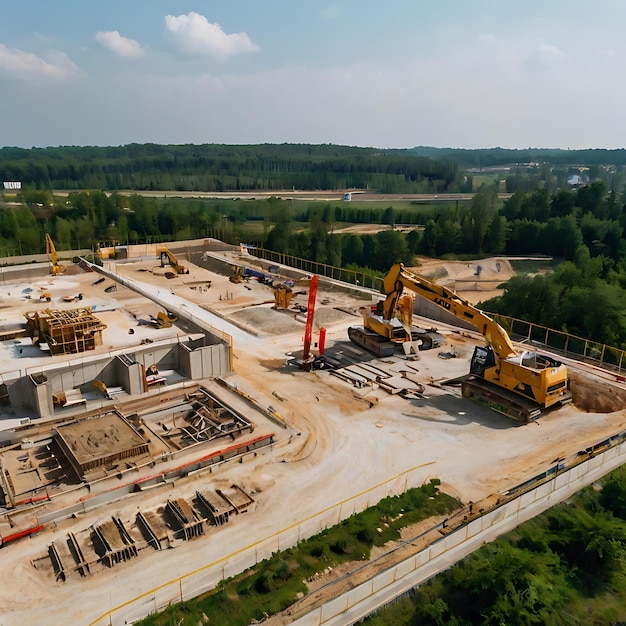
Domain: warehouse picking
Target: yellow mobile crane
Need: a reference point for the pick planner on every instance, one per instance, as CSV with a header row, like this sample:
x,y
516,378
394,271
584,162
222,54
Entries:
x,y
517,385
168,258
52,254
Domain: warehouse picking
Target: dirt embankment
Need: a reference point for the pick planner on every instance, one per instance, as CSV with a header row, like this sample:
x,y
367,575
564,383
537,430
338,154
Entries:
x,y
592,397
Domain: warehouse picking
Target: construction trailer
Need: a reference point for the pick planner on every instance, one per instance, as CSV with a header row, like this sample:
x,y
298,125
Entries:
x,y
65,332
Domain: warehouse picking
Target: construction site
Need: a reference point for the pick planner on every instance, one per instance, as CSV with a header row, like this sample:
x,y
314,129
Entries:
x,y
175,414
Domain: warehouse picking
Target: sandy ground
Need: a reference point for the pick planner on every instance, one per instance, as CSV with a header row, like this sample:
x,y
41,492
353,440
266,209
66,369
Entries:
x,y
476,281
340,441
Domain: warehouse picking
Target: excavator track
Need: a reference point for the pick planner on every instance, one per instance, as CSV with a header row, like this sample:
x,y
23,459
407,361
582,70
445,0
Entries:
x,y
370,341
501,400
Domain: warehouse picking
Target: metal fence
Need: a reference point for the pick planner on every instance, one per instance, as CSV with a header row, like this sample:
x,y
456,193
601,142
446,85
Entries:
x,y
207,577
342,274
380,590
565,344
560,342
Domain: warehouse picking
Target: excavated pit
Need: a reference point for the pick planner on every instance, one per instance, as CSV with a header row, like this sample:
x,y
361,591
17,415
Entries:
x,y
594,396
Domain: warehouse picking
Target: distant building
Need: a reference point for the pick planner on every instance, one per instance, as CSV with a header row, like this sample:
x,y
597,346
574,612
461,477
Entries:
x,y
575,180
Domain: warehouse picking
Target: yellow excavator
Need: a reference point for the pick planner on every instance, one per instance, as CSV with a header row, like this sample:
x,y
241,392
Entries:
x,y
517,385
53,256
163,319
167,258
282,297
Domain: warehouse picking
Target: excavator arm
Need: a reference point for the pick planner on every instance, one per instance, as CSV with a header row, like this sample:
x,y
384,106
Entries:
x,y
52,253
399,277
519,386
168,258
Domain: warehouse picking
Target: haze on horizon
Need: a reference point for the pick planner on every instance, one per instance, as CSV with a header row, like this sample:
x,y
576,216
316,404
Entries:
x,y
398,74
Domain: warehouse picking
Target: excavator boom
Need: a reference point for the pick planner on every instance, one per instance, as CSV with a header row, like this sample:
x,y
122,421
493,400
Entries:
x,y
167,258
399,277
519,386
52,254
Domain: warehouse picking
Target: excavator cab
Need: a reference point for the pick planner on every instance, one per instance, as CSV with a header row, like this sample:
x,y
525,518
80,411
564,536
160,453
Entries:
x,y
482,359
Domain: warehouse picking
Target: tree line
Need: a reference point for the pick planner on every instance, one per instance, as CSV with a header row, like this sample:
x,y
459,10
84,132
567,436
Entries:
x,y
213,167
491,157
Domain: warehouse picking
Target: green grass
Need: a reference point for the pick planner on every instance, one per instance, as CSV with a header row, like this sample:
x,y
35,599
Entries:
x,y
273,585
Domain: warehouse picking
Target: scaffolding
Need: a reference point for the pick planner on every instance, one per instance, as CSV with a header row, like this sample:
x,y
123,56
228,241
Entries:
x,y
66,332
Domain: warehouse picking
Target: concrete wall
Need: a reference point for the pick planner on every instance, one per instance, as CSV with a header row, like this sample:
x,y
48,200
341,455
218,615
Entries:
x,y
131,376
32,394
210,361
425,308
81,370
380,590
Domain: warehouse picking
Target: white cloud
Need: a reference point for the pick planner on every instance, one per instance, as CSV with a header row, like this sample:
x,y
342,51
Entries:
x,y
196,36
28,66
544,57
122,46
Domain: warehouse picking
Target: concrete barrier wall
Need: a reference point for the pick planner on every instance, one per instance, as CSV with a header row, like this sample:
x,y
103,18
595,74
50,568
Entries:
x,y
425,308
388,585
207,577
382,589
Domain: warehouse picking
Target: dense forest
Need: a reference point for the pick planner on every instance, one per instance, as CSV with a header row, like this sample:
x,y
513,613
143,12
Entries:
x,y
212,167
492,157
567,566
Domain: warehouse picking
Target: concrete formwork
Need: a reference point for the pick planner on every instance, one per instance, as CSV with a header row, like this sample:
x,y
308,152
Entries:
x,y
93,443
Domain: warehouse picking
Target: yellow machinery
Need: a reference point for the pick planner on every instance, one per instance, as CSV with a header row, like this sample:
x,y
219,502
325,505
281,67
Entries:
x,y
164,319
167,258
282,297
52,255
517,385
236,275
380,336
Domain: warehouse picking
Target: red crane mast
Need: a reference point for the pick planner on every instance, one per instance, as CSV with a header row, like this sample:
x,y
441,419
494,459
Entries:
x,y
308,329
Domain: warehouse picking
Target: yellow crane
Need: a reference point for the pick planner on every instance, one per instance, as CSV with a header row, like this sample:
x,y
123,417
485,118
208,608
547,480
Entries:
x,y
517,385
53,256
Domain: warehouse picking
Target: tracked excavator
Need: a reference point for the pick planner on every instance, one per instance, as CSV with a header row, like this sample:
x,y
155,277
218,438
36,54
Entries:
x,y
381,336
517,385
168,258
54,257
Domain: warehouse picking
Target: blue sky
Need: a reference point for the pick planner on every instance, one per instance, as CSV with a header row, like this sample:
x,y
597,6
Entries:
x,y
381,73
